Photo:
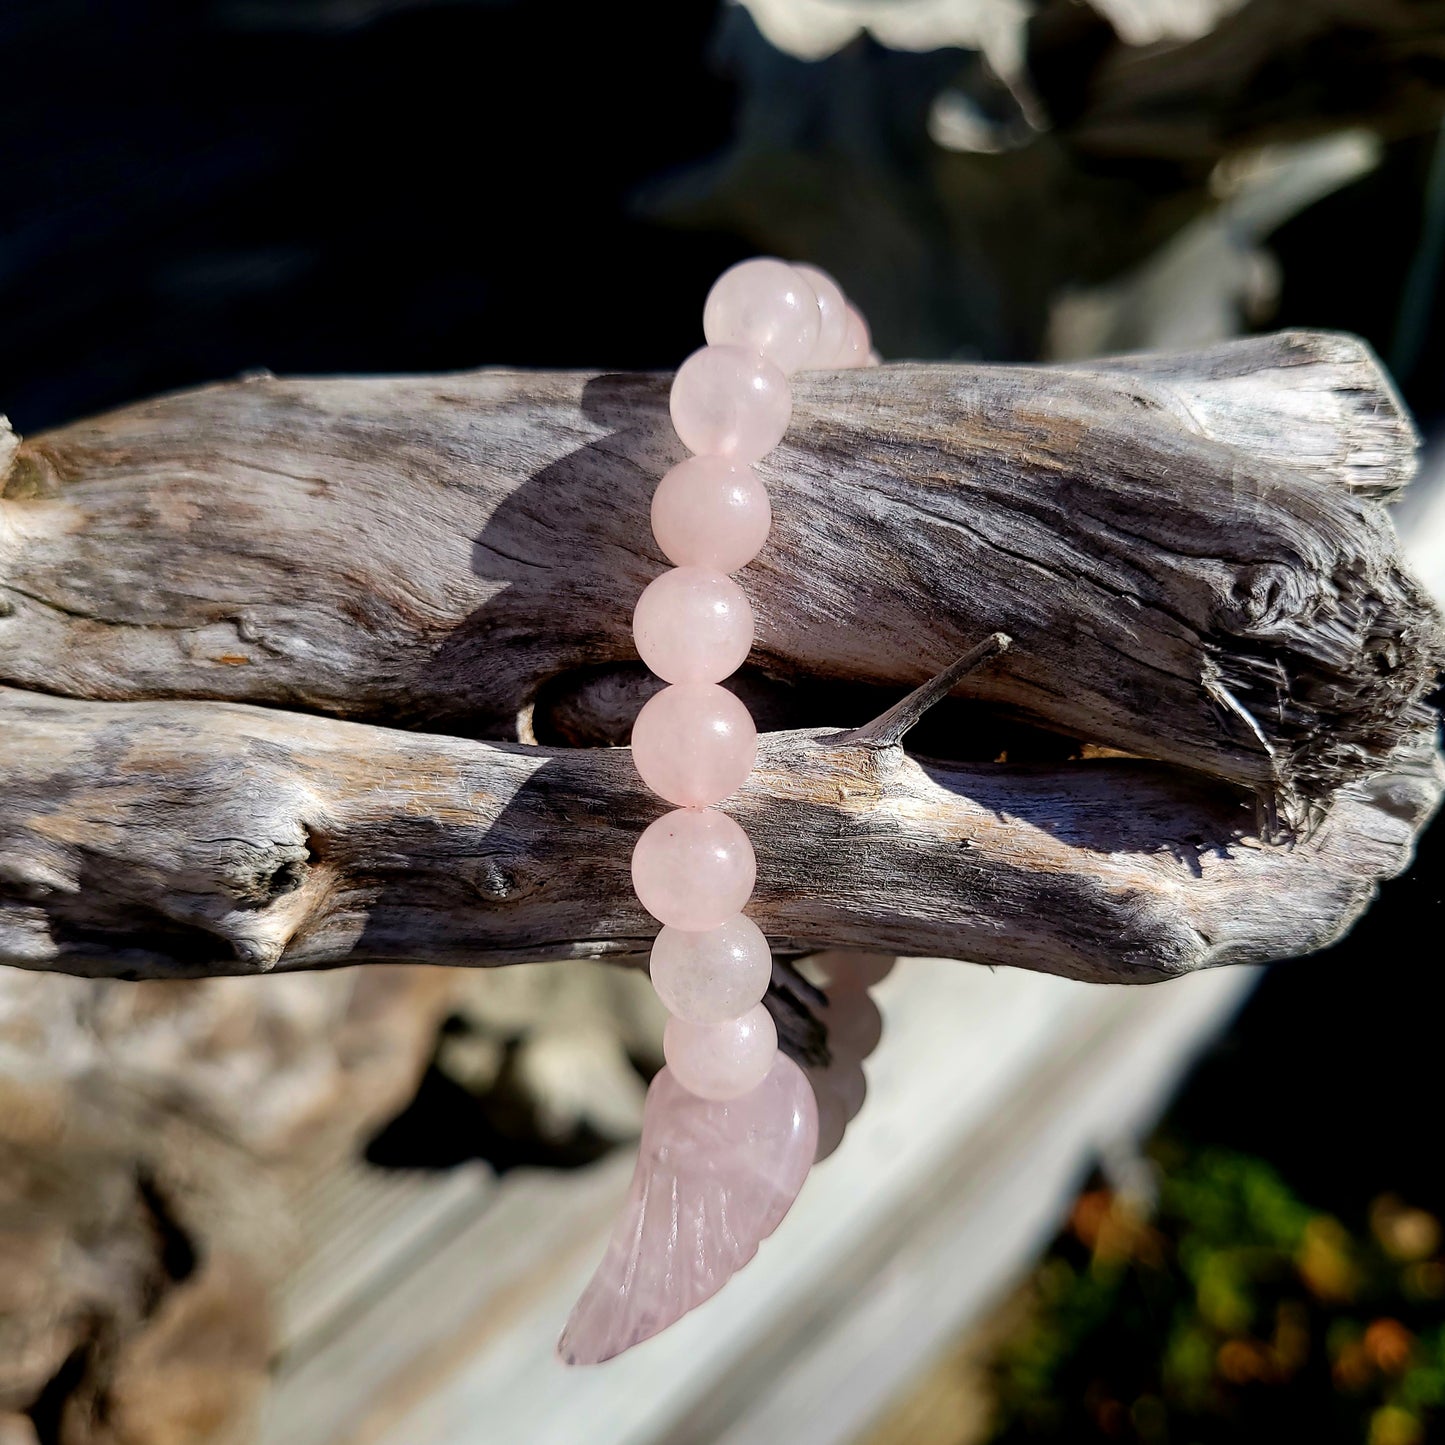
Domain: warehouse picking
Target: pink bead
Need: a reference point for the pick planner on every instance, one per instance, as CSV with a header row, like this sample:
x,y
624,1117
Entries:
x,y
857,343
721,1061
708,978
694,743
710,512
767,306
693,870
832,315
692,625
730,402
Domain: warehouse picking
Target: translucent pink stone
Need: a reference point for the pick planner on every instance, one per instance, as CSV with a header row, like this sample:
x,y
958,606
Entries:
x,y
832,315
730,402
710,512
692,625
767,306
694,743
707,978
713,1180
721,1061
857,343
693,870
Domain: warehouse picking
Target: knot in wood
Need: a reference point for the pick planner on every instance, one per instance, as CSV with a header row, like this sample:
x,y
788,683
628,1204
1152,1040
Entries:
x,y
499,881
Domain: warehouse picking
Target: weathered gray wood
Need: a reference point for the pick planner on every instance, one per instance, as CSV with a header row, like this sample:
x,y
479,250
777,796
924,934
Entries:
x,y
174,839
891,727
438,551
1189,553
151,1137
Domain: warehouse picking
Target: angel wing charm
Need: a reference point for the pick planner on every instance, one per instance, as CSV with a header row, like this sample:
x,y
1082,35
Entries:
x,y
713,1180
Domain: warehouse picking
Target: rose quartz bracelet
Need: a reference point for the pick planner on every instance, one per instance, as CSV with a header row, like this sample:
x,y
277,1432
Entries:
x,y
694,742
730,1127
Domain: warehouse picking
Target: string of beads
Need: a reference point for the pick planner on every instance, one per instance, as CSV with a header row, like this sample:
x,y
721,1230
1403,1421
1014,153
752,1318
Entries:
x,y
694,742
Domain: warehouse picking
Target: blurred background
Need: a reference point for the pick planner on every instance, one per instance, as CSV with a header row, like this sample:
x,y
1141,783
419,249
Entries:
x,y
346,1207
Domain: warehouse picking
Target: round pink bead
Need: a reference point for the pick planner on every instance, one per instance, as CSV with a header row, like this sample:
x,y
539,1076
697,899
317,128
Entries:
x,y
710,512
767,306
693,870
707,978
721,1061
857,343
730,402
692,625
694,743
832,315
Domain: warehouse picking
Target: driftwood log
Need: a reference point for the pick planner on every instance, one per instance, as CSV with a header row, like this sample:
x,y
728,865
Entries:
x,y
297,670
158,1143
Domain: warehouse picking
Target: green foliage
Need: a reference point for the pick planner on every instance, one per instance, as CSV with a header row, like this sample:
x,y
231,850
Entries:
x,y
1230,1311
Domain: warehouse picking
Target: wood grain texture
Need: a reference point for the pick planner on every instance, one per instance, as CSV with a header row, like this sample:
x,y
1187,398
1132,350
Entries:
x,y
148,839
432,551
1190,554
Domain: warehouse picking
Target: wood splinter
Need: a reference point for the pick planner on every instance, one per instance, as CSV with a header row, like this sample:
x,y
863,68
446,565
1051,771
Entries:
x,y
890,727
